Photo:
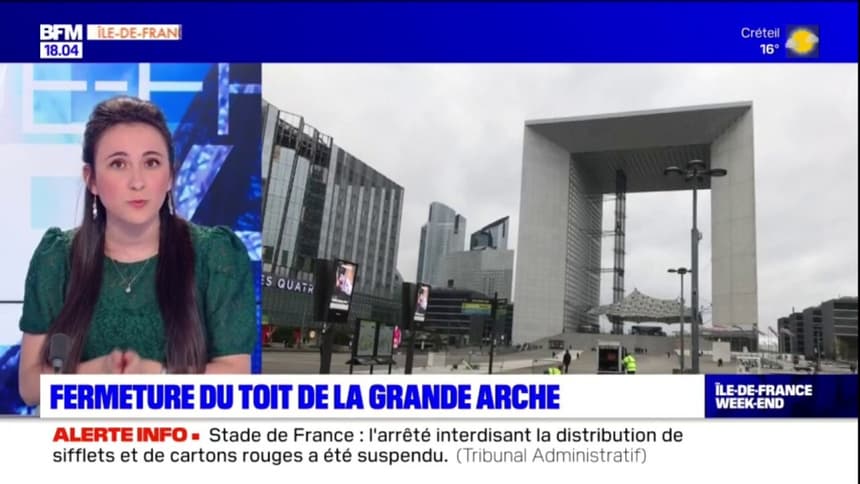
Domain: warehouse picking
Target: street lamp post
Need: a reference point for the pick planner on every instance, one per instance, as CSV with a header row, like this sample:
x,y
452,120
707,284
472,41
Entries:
x,y
696,172
682,271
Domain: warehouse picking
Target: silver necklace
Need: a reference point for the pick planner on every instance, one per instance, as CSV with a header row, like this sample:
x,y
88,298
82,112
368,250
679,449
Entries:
x,y
128,282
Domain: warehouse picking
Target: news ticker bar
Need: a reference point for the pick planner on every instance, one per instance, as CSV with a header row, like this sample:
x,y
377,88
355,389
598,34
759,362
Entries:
x,y
467,397
471,450
443,31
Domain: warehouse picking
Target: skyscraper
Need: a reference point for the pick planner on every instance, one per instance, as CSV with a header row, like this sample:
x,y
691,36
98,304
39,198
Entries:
x,y
444,232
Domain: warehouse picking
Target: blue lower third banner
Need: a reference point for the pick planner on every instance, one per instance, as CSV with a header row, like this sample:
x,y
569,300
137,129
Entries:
x,y
781,396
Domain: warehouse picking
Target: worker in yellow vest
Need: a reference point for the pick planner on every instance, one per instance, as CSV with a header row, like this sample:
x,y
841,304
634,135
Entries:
x,y
553,371
629,363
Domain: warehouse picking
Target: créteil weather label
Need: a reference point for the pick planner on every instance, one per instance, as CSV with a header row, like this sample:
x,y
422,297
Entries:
x,y
797,41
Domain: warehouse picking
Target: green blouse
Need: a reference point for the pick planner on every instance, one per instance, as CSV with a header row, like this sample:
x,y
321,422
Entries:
x,y
132,320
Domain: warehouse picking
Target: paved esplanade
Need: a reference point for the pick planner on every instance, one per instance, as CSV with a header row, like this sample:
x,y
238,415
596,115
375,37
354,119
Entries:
x,y
529,362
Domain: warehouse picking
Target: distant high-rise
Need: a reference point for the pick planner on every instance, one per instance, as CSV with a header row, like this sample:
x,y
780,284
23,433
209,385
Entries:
x,y
444,232
493,236
488,267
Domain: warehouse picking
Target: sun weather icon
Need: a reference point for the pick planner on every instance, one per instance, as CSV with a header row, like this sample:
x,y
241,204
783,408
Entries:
x,y
802,41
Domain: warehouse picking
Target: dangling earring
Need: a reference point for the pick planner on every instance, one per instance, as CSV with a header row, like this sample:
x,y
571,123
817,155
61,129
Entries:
x,y
95,207
170,207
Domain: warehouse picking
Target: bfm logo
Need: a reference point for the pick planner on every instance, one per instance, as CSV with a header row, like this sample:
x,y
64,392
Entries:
x,y
61,32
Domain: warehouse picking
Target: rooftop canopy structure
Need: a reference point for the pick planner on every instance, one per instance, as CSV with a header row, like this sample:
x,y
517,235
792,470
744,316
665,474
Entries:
x,y
641,308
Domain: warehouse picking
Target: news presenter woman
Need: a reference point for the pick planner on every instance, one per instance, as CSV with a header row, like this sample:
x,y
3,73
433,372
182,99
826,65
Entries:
x,y
135,287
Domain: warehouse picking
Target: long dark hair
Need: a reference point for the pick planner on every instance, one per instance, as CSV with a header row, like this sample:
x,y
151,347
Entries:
x,y
175,286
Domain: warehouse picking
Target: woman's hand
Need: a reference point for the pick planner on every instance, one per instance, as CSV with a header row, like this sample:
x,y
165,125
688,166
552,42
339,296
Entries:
x,y
136,365
110,364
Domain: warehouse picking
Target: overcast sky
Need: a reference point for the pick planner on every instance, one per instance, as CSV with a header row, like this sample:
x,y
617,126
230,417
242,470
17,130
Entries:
x,y
465,122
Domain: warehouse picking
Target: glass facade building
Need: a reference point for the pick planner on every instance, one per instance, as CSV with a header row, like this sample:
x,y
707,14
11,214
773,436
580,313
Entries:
x,y
320,201
493,236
